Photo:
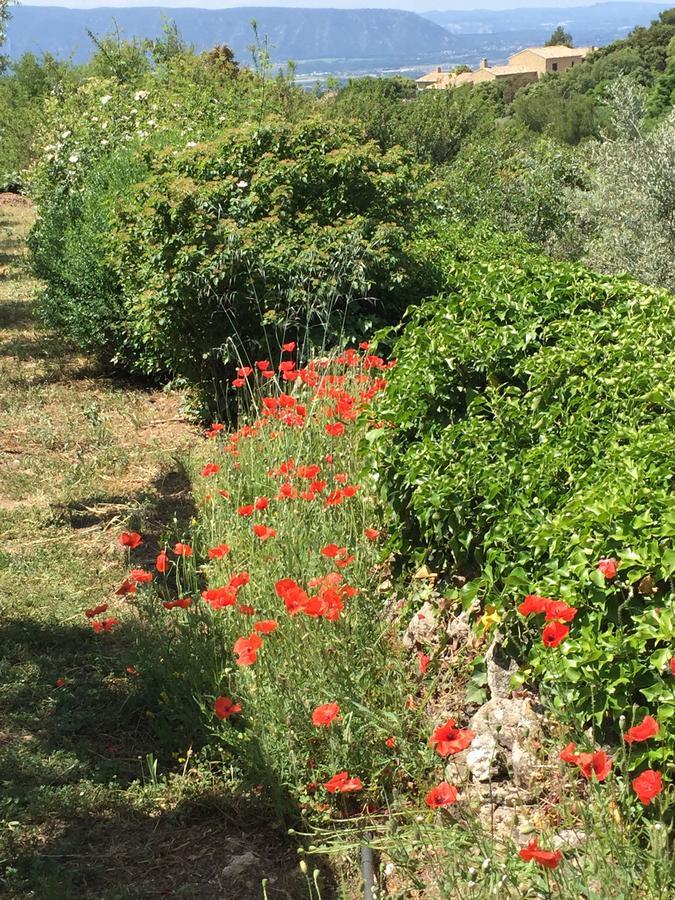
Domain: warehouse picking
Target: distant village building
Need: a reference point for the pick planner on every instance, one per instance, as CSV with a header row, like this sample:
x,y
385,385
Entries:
x,y
523,67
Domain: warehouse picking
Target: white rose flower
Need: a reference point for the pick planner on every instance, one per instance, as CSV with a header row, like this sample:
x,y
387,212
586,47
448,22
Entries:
x,y
73,158
242,184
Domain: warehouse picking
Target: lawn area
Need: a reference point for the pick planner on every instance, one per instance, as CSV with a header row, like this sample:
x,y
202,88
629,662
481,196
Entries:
x,y
82,813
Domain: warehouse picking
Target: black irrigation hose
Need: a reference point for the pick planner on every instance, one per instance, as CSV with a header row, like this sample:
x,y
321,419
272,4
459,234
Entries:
x,y
368,870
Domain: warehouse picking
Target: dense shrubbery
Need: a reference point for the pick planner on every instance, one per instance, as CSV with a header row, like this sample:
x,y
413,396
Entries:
x,y
267,230
434,127
96,143
531,422
512,185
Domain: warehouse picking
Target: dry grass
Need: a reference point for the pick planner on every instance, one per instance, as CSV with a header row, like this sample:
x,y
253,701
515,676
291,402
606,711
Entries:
x,y
82,455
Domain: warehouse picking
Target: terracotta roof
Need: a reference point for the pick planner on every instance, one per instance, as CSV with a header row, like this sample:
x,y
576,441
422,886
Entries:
x,y
556,52
430,77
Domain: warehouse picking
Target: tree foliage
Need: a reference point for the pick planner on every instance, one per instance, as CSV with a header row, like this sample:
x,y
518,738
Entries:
x,y
560,38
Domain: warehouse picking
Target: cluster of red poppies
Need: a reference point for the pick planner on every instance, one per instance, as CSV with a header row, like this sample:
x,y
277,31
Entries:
x,y
597,765
557,615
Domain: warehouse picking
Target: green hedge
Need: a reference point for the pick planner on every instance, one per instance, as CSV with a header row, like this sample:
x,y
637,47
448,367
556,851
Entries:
x,y
532,432
267,231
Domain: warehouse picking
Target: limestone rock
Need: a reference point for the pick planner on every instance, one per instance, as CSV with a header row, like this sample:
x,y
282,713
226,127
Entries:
x,y
484,758
568,839
422,627
500,668
507,720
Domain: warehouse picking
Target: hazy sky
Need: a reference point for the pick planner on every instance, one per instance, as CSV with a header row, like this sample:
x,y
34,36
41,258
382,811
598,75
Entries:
x,y
414,5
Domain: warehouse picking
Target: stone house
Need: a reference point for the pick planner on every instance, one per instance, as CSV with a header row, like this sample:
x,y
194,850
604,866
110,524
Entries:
x,y
523,67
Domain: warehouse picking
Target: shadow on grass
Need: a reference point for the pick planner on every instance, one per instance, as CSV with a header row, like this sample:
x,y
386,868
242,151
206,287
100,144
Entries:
x,y
162,512
71,765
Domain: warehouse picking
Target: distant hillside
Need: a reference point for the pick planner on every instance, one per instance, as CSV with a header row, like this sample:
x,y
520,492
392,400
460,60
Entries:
x,y
298,34
599,24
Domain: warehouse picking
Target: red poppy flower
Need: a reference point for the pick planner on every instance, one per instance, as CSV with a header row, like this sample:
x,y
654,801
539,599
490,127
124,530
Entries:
x,y
219,552
308,472
364,345
447,740
647,728
181,603
341,783
546,858
60,682
558,609
341,477
225,494
127,587
224,707
262,365
246,649
96,610
335,429
554,633
215,429
219,598
609,568
372,534
130,539
100,625
442,795
140,576
287,491
296,600
597,765
533,604
423,661
246,610
246,510
210,469
266,626
182,549
328,458
332,551
350,490
262,503
324,715
390,742
288,347
240,580
647,786
334,498
672,666
162,562
568,754
132,670
285,367
244,371
263,532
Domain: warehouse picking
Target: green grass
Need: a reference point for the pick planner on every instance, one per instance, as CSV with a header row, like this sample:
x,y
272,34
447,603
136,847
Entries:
x,y
82,456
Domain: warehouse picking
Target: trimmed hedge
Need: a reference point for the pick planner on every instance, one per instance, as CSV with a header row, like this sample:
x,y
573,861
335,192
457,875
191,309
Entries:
x,y
531,432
